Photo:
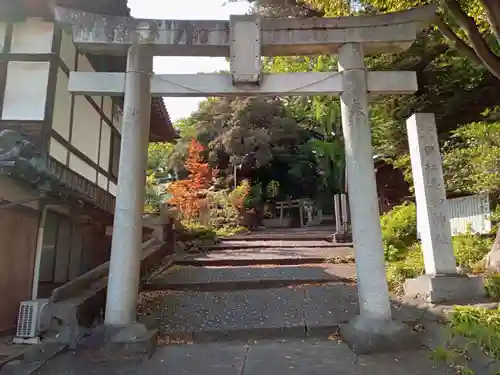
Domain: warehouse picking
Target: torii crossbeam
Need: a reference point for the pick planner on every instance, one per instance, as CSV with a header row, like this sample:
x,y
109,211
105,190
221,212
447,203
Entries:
x,y
245,39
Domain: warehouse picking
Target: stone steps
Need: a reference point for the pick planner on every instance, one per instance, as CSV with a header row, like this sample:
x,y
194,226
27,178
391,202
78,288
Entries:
x,y
262,256
252,290
294,311
285,244
246,278
319,236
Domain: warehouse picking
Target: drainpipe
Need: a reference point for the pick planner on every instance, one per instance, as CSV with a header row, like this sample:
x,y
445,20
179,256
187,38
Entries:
x,y
38,256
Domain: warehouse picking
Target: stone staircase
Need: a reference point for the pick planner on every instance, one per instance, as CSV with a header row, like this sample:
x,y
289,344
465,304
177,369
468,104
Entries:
x,y
257,306
264,285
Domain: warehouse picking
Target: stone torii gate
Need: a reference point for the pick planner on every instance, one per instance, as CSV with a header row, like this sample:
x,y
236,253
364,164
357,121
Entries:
x,y
245,39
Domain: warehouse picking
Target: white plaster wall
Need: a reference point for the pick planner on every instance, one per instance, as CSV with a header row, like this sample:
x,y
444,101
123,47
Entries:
x,y
85,66
86,126
105,146
58,151
107,107
68,50
102,181
25,90
32,36
62,106
3,29
112,188
81,167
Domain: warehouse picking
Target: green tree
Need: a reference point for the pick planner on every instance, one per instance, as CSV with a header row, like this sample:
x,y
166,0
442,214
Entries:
x,y
470,26
157,168
471,158
472,164
457,65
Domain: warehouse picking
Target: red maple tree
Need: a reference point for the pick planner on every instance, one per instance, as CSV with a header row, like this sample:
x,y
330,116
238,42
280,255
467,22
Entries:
x,y
189,196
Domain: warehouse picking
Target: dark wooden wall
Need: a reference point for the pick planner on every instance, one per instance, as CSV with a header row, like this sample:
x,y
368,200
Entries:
x,y
18,237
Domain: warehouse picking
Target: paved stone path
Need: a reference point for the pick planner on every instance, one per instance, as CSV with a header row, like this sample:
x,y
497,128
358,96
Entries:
x,y
290,357
254,313
296,311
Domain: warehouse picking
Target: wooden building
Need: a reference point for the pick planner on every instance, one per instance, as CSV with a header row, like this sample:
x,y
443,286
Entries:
x,y
59,153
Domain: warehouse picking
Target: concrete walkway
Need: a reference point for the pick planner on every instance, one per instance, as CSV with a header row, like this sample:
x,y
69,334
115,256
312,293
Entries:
x,y
249,308
268,357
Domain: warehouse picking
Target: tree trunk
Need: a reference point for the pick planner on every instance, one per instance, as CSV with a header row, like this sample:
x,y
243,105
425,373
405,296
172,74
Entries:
x,y
493,257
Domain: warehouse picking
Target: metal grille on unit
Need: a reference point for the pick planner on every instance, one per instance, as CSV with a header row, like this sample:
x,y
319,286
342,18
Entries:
x,y
29,315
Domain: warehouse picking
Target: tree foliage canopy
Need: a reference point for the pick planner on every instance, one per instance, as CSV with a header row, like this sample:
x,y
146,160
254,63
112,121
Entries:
x,y
297,141
470,26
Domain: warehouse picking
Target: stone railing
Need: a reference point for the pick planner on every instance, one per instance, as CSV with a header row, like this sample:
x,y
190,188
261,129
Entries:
x,y
80,302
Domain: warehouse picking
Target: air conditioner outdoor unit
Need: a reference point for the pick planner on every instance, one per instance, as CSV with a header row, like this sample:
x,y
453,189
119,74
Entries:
x,y
33,319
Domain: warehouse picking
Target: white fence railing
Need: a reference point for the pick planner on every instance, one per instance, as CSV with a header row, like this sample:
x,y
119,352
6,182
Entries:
x,y
471,212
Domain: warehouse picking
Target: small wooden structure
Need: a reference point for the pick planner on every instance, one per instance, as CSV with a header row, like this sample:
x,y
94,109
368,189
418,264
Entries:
x,y
307,209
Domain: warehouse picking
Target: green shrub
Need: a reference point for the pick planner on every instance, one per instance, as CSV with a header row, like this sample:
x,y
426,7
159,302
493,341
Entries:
x,y
480,326
254,197
223,209
411,267
399,230
492,286
470,249
197,232
230,231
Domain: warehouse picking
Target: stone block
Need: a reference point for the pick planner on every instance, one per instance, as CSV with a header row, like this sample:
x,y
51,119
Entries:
x,y
445,288
368,336
134,339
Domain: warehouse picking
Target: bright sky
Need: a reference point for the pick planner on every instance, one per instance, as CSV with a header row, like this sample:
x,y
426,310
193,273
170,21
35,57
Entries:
x,y
186,9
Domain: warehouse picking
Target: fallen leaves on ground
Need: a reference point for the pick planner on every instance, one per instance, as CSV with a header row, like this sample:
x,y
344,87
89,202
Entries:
x,y
150,301
173,341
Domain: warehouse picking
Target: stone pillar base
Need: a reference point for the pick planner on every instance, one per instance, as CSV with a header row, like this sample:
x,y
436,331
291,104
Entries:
x,y
445,288
134,339
367,335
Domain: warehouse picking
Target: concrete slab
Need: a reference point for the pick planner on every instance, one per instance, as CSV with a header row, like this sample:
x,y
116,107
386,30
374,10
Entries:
x,y
81,363
415,362
215,316
33,359
268,255
367,335
315,310
254,314
445,288
134,339
200,359
326,306
231,278
228,245
310,357
318,357
291,357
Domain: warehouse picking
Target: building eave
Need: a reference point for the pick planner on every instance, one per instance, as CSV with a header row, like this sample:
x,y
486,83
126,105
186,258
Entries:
x,y
43,181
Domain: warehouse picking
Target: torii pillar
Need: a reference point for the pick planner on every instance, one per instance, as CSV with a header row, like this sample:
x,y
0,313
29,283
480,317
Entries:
x,y
244,39
124,266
